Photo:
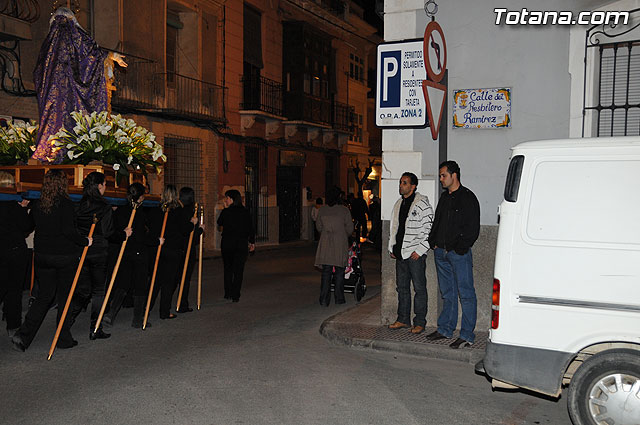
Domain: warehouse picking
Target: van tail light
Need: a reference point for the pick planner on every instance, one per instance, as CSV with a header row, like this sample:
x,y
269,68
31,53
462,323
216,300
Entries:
x,y
495,304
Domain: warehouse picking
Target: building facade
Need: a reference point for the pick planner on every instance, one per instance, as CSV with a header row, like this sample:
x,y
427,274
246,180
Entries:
x,y
269,98
566,80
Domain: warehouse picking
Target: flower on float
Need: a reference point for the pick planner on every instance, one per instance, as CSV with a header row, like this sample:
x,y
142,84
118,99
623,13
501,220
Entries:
x,y
116,167
98,149
129,159
70,154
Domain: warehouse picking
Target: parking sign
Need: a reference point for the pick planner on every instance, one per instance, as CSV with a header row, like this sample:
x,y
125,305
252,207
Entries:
x,y
399,98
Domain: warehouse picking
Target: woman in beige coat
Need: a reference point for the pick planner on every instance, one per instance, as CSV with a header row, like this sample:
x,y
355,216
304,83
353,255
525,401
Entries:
x,y
335,226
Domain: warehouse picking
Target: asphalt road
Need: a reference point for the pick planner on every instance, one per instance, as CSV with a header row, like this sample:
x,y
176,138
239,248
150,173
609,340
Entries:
x,y
260,361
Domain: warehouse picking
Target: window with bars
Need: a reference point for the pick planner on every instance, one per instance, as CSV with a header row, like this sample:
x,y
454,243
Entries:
x,y
184,166
615,109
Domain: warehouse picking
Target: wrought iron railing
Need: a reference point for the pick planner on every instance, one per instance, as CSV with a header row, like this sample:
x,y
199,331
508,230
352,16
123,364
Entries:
x,y
134,85
25,10
143,88
304,107
186,97
261,94
318,110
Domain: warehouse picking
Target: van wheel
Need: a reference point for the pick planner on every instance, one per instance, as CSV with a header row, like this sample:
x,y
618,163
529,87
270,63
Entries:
x,y
606,390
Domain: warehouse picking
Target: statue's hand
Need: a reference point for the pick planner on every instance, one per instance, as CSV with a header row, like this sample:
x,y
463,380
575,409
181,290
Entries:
x,y
119,59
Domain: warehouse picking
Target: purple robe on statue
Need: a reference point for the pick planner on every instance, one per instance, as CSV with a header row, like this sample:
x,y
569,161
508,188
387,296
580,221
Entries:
x,y
69,76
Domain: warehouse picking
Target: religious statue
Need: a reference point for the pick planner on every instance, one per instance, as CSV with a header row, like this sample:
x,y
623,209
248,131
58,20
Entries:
x,y
72,74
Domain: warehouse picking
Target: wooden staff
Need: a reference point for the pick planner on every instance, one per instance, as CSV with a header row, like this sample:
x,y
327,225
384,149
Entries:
x,y
115,270
71,291
155,270
33,269
186,260
200,259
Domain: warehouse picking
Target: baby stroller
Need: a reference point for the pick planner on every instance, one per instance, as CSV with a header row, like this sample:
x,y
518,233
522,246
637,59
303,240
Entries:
x,y
353,275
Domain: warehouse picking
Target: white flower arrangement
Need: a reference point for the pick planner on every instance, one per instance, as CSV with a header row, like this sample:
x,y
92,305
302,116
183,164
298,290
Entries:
x,y
110,139
17,142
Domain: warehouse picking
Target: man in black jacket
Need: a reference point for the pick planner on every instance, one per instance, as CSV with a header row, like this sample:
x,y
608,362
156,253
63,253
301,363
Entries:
x,y
455,229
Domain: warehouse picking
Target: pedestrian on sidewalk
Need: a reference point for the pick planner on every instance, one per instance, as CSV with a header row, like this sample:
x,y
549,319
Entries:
x,y
411,220
237,237
314,217
455,229
335,226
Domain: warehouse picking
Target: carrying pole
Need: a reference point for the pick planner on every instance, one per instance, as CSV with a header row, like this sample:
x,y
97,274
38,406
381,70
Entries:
x,y
155,270
200,260
186,261
33,269
115,271
71,291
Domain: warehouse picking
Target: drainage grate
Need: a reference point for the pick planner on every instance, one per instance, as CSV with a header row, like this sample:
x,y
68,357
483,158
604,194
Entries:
x,y
403,335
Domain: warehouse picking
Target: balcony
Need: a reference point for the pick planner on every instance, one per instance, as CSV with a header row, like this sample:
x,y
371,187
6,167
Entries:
x,y
134,88
343,117
186,97
261,94
142,88
324,112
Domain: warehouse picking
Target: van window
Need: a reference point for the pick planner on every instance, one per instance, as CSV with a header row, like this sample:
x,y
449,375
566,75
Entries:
x,y
512,184
585,201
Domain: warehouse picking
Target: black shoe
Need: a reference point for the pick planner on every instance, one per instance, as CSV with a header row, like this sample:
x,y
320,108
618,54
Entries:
x,y
185,310
98,335
65,345
340,302
460,343
170,316
18,345
435,336
235,300
227,297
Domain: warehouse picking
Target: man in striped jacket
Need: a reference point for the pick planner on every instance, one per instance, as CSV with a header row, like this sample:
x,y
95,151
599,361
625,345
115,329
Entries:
x,y
408,245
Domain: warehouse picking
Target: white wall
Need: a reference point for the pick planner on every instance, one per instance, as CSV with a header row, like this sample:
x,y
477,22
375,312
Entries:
x,y
532,61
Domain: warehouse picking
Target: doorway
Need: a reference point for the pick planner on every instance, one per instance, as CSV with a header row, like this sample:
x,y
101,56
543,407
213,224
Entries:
x,y
289,195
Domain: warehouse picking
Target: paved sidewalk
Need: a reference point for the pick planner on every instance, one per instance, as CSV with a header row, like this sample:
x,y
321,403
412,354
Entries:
x,y
360,327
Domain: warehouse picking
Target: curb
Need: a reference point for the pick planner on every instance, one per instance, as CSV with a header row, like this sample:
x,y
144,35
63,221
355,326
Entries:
x,y
425,350
329,330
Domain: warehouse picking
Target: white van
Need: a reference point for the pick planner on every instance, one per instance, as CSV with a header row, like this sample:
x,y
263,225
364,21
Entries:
x,y
566,291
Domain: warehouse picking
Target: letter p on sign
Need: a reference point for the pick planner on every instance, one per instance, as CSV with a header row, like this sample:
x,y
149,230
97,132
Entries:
x,y
390,79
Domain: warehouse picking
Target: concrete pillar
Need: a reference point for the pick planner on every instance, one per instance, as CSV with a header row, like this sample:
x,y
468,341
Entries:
x,y
404,150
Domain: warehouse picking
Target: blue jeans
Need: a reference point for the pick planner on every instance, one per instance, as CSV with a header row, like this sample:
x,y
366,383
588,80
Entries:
x,y
455,279
407,271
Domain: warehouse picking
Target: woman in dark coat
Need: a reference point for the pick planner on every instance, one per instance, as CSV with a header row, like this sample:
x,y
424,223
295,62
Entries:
x,y
187,199
179,225
335,226
57,245
132,274
14,255
237,237
91,284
